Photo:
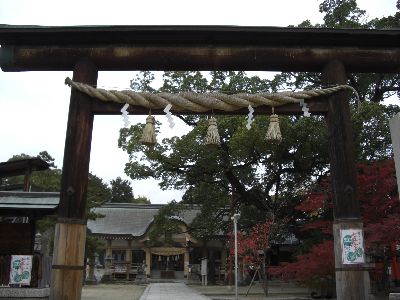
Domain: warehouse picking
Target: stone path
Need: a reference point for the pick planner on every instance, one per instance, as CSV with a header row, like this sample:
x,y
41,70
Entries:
x,y
171,291
112,291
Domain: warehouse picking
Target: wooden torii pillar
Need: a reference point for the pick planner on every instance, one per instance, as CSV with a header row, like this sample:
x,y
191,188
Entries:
x,y
70,231
350,283
85,50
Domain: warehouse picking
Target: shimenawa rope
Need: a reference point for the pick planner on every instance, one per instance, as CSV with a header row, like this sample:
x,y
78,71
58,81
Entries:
x,y
195,102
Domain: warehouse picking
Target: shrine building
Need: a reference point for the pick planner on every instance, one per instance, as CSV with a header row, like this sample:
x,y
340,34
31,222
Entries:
x,y
127,247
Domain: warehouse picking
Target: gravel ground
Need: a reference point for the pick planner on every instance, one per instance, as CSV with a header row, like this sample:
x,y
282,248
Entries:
x,y
112,291
276,291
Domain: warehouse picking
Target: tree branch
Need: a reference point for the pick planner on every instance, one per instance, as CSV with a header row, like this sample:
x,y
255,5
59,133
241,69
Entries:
x,y
187,122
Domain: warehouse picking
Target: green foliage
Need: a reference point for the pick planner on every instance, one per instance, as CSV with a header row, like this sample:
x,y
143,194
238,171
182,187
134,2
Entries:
x,y
98,193
214,215
142,82
264,176
371,131
141,200
166,223
346,14
121,191
342,13
386,22
184,81
92,245
47,158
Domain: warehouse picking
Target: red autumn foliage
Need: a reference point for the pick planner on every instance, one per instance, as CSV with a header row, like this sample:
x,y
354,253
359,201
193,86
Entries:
x,y
315,202
380,208
324,225
380,203
318,262
248,246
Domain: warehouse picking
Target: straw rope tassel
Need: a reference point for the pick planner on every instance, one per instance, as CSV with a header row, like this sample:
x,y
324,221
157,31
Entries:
x,y
274,132
212,138
149,132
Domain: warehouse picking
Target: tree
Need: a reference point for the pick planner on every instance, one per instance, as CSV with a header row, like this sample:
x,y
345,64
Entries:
x,y
193,167
166,223
380,209
98,193
255,246
121,191
346,14
141,200
268,180
315,269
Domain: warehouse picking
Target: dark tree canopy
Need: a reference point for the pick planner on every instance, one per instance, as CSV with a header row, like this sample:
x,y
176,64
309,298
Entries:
x,y
121,191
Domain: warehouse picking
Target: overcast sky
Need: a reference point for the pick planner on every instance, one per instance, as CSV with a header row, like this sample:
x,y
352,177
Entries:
x,y
34,105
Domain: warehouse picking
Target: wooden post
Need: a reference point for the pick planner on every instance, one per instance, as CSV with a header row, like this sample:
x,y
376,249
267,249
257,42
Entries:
x,y
128,255
186,263
70,233
148,262
108,262
349,277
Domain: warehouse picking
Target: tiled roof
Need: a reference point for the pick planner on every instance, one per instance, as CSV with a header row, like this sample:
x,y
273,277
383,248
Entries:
x,y
44,201
130,219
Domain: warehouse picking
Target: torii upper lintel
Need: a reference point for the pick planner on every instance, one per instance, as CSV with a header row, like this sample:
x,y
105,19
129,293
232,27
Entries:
x,y
118,48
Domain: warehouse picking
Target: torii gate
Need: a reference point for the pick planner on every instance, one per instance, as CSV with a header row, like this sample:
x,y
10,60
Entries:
x,y
87,50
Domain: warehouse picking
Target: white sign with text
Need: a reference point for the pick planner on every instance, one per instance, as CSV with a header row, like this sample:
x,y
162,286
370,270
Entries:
x,y
352,246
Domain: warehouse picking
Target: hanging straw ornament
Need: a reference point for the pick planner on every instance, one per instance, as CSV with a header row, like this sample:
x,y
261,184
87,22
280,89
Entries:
x,y
149,132
212,138
274,132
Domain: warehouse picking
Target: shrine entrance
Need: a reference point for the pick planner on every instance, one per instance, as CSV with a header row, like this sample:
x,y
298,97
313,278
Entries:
x,y
87,50
167,266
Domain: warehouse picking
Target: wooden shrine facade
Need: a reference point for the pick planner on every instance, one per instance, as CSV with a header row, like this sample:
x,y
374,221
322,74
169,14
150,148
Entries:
x,y
87,50
127,249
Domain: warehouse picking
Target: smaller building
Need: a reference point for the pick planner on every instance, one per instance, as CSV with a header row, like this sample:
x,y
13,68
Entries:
x,y
127,247
20,210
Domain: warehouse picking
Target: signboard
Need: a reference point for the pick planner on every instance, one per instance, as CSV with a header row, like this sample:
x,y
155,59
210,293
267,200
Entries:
x,y
20,270
395,133
204,267
352,246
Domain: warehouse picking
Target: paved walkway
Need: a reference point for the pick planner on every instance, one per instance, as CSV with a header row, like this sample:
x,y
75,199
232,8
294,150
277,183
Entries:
x,y
171,291
112,291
